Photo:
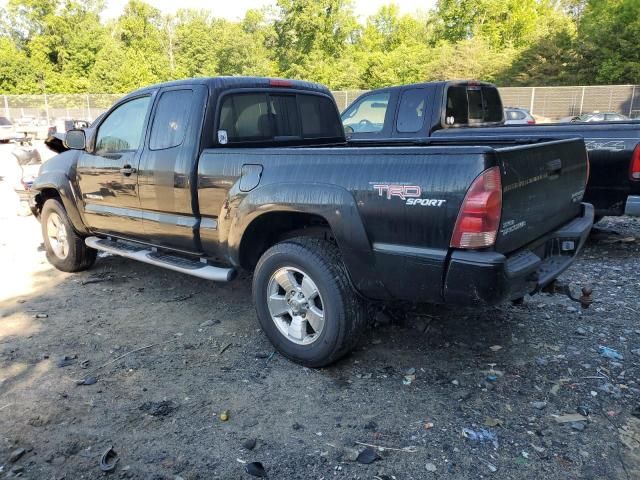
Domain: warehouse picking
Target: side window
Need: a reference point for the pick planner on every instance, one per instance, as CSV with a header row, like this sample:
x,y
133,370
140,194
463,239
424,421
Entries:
x,y
411,111
171,119
515,115
367,115
123,128
245,117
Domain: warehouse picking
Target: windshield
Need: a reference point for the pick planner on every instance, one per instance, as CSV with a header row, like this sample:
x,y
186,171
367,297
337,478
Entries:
x,y
4,122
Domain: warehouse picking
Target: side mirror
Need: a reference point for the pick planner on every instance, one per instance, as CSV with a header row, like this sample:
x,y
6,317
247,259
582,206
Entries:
x,y
75,140
348,129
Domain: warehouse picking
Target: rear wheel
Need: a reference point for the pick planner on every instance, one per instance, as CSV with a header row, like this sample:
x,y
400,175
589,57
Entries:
x,y
65,249
305,303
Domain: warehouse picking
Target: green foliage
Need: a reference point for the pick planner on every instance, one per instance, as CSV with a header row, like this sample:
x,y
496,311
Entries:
x,y
59,46
610,32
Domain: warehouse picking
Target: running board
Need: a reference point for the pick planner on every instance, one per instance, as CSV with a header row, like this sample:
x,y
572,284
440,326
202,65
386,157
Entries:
x,y
145,254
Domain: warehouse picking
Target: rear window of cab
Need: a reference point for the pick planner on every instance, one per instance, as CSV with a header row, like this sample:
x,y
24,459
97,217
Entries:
x,y
265,117
469,105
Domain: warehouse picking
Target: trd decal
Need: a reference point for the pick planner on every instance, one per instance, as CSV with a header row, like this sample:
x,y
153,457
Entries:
x,y
601,144
409,193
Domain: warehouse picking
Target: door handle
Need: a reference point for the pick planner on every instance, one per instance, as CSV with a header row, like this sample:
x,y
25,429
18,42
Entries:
x,y
127,170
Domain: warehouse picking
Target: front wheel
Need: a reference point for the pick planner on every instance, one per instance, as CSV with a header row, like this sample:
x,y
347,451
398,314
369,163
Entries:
x,y
305,303
65,249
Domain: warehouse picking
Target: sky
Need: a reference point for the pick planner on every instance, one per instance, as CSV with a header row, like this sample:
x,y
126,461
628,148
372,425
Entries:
x,y
235,9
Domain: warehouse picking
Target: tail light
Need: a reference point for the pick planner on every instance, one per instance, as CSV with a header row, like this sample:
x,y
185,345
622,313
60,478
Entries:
x,y
532,121
634,170
479,218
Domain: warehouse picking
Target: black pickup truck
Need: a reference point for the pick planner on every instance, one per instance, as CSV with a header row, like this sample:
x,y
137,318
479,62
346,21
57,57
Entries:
x,y
442,113
209,176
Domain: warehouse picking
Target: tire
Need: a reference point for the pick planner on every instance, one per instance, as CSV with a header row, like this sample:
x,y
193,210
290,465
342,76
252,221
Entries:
x,y
344,315
66,251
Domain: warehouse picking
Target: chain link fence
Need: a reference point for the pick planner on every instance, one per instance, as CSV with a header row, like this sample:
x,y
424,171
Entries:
x,y
553,103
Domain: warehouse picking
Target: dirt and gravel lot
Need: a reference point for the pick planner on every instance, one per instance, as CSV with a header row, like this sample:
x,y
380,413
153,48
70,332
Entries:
x,y
415,383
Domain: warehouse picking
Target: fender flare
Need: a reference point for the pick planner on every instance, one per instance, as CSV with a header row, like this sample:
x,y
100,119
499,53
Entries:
x,y
61,183
334,204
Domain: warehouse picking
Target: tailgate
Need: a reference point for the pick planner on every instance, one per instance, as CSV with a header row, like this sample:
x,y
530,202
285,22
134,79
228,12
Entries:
x,y
542,187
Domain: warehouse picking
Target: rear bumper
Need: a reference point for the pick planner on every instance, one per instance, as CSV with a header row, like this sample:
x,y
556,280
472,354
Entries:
x,y
491,278
633,206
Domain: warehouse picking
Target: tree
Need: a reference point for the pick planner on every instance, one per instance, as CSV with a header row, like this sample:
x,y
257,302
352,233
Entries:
x,y
307,28
608,35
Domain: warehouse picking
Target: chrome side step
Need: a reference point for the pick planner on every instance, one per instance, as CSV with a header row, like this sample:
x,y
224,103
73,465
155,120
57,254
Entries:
x,y
145,254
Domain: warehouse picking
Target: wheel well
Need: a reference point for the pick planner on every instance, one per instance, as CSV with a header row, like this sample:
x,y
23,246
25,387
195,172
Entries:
x,y
271,228
44,195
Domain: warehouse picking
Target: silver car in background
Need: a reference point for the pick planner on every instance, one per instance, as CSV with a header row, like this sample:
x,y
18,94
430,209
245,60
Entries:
x,y
518,116
7,130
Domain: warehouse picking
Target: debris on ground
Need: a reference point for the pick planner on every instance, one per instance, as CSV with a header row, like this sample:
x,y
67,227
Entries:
x,y
409,376
159,409
481,436
492,422
367,456
66,361
224,416
209,323
16,455
97,279
610,353
109,460
179,298
570,418
87,381
255,469
249,443
539,405
431,467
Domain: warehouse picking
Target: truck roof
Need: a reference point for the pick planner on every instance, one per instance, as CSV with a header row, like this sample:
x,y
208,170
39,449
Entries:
x,y
225,83
441,83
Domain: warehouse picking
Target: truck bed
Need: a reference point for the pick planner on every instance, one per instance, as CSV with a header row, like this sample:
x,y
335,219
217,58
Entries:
x,y
542,188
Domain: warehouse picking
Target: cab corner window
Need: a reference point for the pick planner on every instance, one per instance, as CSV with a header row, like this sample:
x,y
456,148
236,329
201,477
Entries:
x,y
171,119
367,115
473,104
411,111
122,130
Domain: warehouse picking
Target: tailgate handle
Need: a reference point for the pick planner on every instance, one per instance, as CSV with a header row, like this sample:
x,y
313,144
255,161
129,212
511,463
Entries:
x,y
554,167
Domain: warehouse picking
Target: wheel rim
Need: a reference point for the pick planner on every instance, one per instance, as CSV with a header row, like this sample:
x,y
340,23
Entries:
x,y
295,305
57,236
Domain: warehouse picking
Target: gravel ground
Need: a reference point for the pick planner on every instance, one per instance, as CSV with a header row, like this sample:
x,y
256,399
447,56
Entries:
x,y
172,355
